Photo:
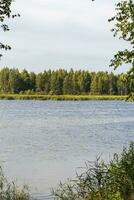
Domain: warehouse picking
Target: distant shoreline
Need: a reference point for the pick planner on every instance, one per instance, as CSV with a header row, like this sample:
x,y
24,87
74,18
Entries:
x,y
60,97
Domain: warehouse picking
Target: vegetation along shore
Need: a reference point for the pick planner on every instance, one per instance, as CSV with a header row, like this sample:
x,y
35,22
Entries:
x,y
98,181
101,181
61,97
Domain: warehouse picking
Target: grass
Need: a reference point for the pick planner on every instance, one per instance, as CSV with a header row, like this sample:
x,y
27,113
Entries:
x,y
60,97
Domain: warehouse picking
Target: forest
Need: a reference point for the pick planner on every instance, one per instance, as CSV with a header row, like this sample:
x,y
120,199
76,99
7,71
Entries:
x,y
63,82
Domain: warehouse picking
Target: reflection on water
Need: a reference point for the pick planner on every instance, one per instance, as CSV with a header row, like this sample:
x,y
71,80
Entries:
x,y
42,143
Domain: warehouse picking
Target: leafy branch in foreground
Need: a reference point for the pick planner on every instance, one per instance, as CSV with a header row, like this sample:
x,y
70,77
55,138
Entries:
x,y
5,12
124,27
100,181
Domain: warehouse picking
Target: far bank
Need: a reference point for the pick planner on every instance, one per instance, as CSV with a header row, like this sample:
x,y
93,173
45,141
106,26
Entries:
x,y
61,97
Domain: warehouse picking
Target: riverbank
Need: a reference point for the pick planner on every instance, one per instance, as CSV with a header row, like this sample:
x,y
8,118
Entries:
x,y
60,97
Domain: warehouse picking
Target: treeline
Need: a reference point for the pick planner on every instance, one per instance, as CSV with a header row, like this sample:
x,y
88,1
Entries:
x,y
61,82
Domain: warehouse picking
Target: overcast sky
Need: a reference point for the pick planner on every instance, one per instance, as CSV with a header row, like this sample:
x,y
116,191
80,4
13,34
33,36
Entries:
x,y
61,34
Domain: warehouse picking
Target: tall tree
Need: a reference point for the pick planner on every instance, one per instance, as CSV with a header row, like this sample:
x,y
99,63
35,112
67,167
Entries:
x,y
94,84
26,82
39,83
4,80
122,84
15,81
113,84
68,83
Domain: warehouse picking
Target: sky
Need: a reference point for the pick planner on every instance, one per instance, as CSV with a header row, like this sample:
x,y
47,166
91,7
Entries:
x,y
61,34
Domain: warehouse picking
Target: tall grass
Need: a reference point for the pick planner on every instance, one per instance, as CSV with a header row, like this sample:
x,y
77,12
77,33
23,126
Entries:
x,y
100,181
9,191
131,97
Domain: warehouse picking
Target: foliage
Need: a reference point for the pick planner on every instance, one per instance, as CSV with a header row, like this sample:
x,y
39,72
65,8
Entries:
x,y
124,27
5,12
100,181
62,82
9,191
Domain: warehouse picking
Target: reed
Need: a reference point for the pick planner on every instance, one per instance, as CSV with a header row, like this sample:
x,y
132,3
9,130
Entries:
x,y
60,97
102,181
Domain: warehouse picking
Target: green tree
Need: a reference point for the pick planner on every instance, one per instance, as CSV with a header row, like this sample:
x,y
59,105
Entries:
x,y
4,80
76,82
131,80
94,84
43,82
122,84
32,81
83,82
113,84
26,83
39,83
47,81
87,82
15,81
68,84
57,80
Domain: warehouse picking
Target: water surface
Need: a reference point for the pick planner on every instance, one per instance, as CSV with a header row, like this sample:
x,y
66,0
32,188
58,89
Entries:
x,y
43,142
